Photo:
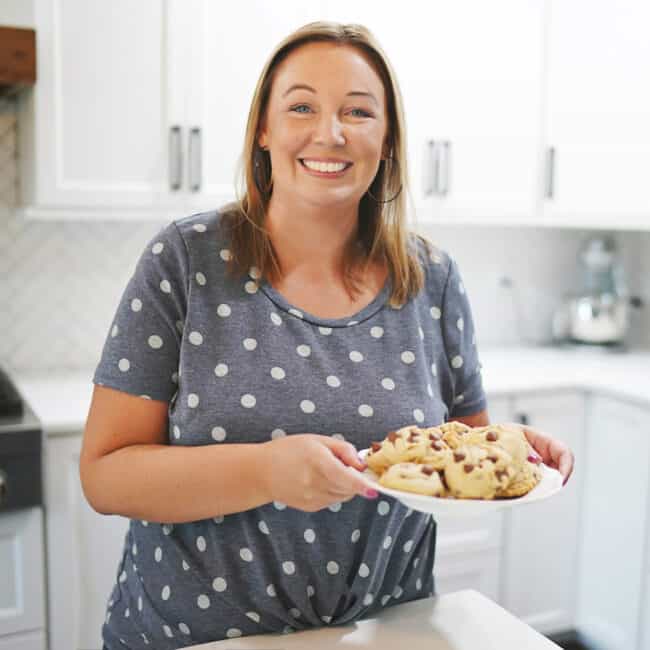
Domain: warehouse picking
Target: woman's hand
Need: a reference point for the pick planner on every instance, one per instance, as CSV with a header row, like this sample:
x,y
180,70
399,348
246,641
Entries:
x,y
552,451
309,471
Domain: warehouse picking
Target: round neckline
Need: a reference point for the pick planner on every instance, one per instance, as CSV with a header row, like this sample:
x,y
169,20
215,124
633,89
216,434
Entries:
x,y
374,306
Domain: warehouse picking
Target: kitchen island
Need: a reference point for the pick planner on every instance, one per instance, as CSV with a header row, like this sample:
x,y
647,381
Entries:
x,y
463,620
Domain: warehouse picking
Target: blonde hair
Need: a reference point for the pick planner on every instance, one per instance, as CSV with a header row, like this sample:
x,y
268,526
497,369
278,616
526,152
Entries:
x,y
382,229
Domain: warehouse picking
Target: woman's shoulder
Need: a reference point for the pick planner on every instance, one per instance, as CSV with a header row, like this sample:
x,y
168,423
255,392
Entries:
x,y
435,261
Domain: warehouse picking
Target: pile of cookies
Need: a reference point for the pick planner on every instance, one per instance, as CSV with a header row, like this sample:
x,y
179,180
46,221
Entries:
x,y
457,461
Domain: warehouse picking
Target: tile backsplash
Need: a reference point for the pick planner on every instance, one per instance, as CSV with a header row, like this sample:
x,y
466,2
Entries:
x,y
60,282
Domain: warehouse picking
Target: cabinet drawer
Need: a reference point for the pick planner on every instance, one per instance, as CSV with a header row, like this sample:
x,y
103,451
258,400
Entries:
x,y
478,570
462,534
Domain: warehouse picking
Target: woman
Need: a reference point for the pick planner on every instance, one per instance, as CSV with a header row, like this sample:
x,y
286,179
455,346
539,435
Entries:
x,y
257,348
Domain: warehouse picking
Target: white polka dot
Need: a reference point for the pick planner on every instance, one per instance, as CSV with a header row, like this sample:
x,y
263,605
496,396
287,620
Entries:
x,y
356,356
192,400
203,601
218,519
140,603
326,619
368,599
124,365
307,406
408,546
309,536
195,338
168,631
435,313
421,333
251,287
254,616
356,534
397,592
377,332
270,590
225,254
416,562
278,433
200,279
332,568
429,390
460,323
158,554
166,592
115,331
338,436
221,370
255,273
289,568
418,415
384,599
296,312
233,632
459,399
223,310
294,612
155,342
365,410
246,554
199,227
136,304
352,322
165,287
123,576
434,370
277,373
364,570
457,361
183,628
157,248
310,591
250,344
335,507
248,401
408,357
278,505
325,331
262,525
303,350
201,544
333,381
167,528
418,584
383,507
219,584
275,319
387,542
388,383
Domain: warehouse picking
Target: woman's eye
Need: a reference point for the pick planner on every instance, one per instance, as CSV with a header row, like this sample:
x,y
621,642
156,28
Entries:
x,y
295,108
364,113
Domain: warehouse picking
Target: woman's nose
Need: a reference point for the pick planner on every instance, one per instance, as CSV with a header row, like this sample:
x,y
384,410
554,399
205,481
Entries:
x,y
329,131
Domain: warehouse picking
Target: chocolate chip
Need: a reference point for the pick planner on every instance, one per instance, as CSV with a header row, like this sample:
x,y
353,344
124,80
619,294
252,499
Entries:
x,y
427,470
500,473
392,436
458,456
375,446
494,459
413,437
434,436
468,467
492,436
436,445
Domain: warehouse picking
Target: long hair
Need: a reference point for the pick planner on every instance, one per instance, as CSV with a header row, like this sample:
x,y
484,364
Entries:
x,y
382,224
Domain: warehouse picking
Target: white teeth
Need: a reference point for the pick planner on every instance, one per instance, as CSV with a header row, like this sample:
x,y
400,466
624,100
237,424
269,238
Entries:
x,y
324,167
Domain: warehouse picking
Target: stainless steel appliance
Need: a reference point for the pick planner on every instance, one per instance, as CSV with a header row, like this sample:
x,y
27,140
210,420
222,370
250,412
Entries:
x,y
22,561
600,313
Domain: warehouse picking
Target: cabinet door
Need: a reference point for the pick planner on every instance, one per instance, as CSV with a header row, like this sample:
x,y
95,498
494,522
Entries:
x,y
232,43
22,577
598,103
470,75
540,553
84,549
613,543
94,132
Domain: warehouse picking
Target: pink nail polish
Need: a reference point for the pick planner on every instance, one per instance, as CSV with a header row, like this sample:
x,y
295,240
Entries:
x,y
370,493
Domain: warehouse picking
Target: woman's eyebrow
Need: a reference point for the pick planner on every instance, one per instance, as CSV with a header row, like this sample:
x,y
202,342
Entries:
x,y
353,92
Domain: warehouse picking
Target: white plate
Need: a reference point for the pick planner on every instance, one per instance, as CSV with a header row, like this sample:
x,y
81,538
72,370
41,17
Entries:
x,y
550,484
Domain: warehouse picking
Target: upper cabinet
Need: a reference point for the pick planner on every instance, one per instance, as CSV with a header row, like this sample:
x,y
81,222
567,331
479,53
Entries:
x,y
516,112
597,130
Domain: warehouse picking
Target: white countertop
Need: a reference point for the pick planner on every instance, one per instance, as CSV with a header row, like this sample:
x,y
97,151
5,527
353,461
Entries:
x,y
463,620
61,400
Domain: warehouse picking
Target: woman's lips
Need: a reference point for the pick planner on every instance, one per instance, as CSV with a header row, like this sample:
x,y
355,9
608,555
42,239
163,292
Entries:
x,y
315,172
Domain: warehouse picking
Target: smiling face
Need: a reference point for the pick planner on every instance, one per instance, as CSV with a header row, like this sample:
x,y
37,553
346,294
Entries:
x,y
325,126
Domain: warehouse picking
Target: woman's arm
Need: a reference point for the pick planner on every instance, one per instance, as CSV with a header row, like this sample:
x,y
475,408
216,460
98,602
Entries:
x,y
127,467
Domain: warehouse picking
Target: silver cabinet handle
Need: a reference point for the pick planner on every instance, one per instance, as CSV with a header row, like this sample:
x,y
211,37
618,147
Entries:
x,y
3,486
194,157
175,158
443,166
550,173
429,172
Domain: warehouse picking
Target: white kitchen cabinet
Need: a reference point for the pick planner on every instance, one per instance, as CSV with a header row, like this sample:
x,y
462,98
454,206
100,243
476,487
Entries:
x,y
540,546
471,79
597,108
614,555
83,551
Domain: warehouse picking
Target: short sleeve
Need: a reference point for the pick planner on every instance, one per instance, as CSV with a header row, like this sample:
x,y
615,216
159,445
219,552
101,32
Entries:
x,y
468,396
141,352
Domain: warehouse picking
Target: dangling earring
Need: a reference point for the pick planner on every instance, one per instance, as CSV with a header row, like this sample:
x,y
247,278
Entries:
x,y
398,191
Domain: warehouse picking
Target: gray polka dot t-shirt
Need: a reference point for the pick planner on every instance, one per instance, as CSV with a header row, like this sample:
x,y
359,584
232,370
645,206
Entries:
x,y
238,364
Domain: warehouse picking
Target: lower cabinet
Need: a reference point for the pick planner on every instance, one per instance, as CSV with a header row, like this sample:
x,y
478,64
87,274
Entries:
x,y
83,552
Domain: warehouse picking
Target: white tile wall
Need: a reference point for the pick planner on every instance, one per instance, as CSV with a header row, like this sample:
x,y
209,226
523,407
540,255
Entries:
x,y
60,281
